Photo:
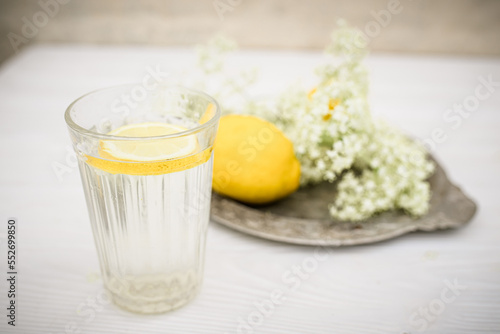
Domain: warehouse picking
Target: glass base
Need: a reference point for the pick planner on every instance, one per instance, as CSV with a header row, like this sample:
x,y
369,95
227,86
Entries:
x,y
154,294
138,306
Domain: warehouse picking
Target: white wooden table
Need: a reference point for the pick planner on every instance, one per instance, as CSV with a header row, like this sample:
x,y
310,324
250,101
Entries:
x,y
399,286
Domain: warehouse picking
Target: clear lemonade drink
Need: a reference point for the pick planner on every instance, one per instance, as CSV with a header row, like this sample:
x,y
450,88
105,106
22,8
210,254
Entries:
x,y
148,186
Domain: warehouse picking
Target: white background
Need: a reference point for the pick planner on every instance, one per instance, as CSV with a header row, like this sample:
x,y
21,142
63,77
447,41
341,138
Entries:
x,y
376,288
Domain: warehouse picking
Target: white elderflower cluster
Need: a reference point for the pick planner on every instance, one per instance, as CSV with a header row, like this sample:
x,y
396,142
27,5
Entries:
x,y
389,173
328,132
334,136
330,124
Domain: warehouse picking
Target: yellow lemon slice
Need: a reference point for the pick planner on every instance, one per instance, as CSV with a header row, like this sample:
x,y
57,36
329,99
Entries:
x,y
208,115
149,156
148,150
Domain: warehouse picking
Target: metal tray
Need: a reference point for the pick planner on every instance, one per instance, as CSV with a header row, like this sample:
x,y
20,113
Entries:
x,y
303,218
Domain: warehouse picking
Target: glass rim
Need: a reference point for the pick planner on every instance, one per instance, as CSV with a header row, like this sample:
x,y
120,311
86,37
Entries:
x,y
75,127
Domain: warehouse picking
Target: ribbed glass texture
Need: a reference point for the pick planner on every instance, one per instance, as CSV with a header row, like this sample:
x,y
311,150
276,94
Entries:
x,y
150,234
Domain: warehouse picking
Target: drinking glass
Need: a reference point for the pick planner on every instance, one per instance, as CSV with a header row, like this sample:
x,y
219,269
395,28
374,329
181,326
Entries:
x,y
149,210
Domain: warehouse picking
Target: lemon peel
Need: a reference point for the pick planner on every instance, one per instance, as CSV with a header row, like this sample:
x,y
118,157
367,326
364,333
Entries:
x,y
254,162
153,156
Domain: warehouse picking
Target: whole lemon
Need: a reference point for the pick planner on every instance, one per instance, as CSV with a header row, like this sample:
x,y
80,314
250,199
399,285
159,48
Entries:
x,y
253,161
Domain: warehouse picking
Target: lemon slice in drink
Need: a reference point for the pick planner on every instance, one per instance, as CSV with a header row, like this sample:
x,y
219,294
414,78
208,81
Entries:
x,y
150,150
208,114
149,156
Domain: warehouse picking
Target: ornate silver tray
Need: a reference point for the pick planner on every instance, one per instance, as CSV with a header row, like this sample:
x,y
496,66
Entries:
x,y
303,218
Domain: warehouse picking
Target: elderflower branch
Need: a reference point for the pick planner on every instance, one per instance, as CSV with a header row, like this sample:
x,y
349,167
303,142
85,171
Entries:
x,y
334,135
228,87
212,55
